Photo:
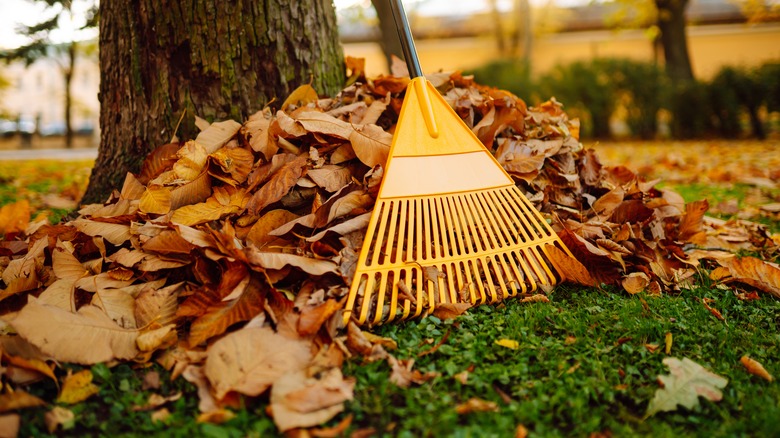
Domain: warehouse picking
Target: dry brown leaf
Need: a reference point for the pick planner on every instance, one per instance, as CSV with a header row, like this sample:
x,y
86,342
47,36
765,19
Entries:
x,y
298,400
321,123
754,367
274,260
259,234
66,266
220,315
690,228
192,158
475,404
157,305
63,335
258,127
57,417
250,360
117,234
371,145
754,272
118,305
571,268
217,134
635,282
450,310
278,185
12,401
330,177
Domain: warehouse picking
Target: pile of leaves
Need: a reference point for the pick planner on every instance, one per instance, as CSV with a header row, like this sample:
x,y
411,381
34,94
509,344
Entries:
x,y
227,259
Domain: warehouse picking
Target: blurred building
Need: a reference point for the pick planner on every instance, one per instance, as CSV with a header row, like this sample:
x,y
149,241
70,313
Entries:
x,y
36,95
718,34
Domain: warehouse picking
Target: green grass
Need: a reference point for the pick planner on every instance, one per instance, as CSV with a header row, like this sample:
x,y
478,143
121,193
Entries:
x,y
32,180
745,195
600,382
582,366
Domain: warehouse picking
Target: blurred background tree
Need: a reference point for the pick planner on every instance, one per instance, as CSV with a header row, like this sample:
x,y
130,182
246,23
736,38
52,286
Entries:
x,y
41,45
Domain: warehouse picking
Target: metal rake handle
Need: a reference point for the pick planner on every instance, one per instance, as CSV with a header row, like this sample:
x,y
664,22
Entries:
x,y
405,35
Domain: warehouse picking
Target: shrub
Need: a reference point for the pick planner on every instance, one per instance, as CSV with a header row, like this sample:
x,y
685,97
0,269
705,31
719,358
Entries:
x,y
588,91
513,75
644,88
691,111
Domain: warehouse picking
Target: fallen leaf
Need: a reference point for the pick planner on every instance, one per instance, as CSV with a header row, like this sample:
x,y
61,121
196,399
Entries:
x,y
508,343
15,400
63,335
9,425
635,282
475,404
57,417
250,360
14,217
301,96
687,382
77,387
754,367
217,134
450,310
754,272
299,401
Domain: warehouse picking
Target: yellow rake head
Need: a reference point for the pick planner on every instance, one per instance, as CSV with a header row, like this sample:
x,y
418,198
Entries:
x,y
449,224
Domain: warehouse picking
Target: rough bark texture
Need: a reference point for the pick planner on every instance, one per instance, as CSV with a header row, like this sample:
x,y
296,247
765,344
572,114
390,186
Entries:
x,y
215,59
671,23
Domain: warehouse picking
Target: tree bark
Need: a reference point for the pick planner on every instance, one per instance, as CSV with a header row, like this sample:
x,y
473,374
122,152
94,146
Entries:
x,y
214,59
671,23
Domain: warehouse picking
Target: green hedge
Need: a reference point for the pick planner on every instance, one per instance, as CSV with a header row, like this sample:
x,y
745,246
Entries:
x,y
594,90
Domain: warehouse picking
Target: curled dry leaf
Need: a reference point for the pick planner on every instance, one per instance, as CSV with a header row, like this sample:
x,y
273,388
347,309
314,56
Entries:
x,y
635,282
298,400
15,400
571,268
57,417
754,367
754,272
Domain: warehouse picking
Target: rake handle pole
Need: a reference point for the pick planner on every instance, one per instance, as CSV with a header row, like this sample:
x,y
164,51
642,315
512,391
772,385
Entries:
x,y
407,42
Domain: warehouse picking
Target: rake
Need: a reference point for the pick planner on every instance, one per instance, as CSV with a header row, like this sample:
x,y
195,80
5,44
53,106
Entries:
x,y
449,225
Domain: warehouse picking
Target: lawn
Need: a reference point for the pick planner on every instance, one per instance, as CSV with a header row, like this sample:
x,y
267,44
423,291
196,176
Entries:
x,y
584,364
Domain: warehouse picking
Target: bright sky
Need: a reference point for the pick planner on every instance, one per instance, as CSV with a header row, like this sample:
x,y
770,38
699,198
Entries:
x,y
14,12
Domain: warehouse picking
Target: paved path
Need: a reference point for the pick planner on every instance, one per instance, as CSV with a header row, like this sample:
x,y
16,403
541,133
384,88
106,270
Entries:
x,y
48,154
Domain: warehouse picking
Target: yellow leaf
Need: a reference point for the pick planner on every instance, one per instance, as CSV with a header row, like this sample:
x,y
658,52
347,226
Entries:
x,y
14,217
259,234
508,343
156,200
77,387
192,158
301,96
754,367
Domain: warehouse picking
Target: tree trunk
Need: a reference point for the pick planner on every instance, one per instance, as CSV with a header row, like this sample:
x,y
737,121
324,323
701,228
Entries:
x,y
68,76
524,32
498,28
671,23
214,59
389,39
